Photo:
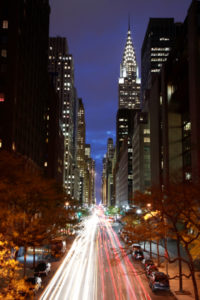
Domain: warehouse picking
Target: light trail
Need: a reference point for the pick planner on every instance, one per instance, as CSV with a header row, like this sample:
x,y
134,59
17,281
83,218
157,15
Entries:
x,y
146,296
96,268
100,260
75,279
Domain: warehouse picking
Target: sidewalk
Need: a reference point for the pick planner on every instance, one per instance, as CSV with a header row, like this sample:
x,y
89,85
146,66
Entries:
x,y
54,266
172,270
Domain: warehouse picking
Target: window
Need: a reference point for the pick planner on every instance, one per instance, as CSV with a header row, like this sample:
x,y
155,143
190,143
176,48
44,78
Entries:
x,y
170,91
146,131
146,140
0,143
45,164
4,53
2,97
188,176
5,24
187,126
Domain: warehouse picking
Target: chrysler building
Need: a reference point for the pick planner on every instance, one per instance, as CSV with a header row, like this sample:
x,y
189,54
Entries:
x,y
129,83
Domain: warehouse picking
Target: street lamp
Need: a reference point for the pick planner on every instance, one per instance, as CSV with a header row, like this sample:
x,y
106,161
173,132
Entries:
x,y
138,211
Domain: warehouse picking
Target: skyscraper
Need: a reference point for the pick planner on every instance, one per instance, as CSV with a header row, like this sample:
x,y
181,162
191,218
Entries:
x,y
128,105
129,83
158,41
24,28
81,147
61,68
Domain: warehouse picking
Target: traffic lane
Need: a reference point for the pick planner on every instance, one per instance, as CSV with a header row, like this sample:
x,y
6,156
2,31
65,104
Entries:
x,y
159,295
75,279
126,280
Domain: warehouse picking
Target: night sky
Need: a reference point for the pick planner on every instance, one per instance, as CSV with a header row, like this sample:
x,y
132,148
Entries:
x,y
96,31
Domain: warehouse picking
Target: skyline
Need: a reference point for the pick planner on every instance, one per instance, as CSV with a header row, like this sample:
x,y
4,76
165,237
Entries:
x,y
96,35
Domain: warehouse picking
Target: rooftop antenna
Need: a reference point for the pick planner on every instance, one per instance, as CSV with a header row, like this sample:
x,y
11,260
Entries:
x,y
129,27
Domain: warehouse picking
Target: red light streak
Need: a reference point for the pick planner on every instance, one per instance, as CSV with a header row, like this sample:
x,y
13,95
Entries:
x,y
130,289
101,265
111,272
127,260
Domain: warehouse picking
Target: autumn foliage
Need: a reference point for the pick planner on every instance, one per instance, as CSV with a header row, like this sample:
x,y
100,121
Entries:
x,y
32,212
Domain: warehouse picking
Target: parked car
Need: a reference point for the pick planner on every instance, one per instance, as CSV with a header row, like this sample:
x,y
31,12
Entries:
x,y
146,262
150,269
136,247
159,281
138,255
34,283
42,269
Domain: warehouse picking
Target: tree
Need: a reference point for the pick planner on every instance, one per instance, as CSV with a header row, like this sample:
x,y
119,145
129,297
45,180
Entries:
x,y
12,286
32,208
178,205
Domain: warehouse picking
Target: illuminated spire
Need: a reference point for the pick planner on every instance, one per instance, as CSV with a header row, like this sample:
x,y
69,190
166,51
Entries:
x,y
128,65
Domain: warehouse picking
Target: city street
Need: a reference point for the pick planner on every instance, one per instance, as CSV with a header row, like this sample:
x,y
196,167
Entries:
x,y
98,268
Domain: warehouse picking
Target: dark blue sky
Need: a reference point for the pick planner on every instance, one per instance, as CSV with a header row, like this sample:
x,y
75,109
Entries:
x,y
96,33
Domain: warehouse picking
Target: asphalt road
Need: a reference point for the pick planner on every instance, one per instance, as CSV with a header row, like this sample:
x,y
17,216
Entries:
x,y
97,267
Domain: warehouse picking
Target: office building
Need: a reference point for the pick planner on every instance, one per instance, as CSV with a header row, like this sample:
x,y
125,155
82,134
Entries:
x,y
24,28
129,82
61,69
158,41
174,108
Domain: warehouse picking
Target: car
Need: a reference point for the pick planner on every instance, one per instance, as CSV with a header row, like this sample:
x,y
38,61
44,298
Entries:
x,y
146,262
136,247
34,283
42,269
150,269
159,281
138,255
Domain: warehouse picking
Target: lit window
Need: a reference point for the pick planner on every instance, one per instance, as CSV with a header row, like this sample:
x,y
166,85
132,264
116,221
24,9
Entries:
x,y
170,91
5,24
13,146
146,140
2,97
188,176
0,143
4,53
187,126
146,131
45,164
164,39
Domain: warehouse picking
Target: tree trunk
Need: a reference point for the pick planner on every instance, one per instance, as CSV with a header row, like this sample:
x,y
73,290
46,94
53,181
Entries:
x,y
25,253
144,245
34,256
191,266
158,254
150,244
179,265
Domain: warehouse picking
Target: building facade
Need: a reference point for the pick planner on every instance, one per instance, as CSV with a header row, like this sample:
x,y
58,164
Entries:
x,y
24,28
61,69
174,100
159,39
129,82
